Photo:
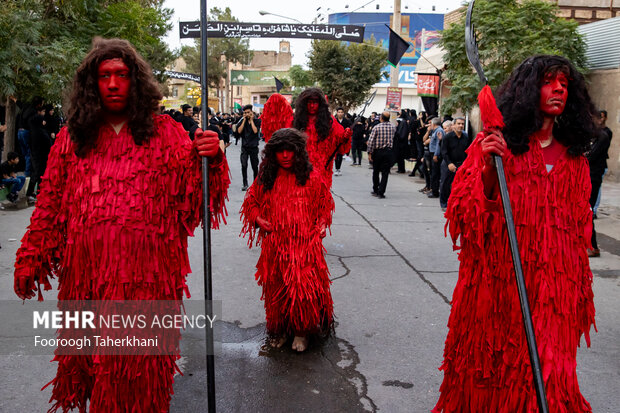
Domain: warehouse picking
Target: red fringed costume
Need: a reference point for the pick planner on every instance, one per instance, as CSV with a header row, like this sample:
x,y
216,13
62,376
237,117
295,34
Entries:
x,y
291,269
486,364
322,152
114,226
277,114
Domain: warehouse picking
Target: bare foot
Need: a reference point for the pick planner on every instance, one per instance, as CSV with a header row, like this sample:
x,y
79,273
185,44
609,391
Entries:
x,y
300,344
277,341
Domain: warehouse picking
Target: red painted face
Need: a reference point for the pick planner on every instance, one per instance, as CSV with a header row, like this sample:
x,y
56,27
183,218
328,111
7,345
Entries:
x,y
285,158
553,94
313,106
114,84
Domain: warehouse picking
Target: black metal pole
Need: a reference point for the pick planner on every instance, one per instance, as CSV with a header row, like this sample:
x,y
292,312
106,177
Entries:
x,y
206,212
539,383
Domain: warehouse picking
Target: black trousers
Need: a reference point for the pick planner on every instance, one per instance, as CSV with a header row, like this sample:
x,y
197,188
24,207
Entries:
x,y
401,152
596,186
419,157
428,166
39,164
356,151
446,186
435,175
338,161
252,153
382,161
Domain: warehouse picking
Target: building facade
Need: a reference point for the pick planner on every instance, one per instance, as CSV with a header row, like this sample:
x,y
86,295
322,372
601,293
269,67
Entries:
x,y
254,83
421,30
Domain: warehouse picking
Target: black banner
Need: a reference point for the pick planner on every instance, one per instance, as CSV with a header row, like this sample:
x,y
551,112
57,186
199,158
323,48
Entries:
x,y
182,75
342,32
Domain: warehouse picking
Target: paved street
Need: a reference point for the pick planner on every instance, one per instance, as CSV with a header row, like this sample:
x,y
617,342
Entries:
x,y
393,274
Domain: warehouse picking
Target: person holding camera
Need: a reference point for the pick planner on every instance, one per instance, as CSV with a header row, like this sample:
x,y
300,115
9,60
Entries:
x,y
248,128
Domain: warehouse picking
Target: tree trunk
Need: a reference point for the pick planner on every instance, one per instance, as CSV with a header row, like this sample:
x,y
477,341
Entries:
x,y
11,132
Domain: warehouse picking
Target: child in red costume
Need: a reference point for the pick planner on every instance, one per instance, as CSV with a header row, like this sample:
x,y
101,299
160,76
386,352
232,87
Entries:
x,y
287,211
326,137
121,194
548,123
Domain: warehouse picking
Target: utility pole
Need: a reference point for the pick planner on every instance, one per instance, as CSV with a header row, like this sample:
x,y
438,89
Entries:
x,y
394,71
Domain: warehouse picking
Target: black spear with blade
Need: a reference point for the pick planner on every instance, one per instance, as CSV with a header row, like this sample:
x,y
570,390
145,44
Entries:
x,y
206,213
492,119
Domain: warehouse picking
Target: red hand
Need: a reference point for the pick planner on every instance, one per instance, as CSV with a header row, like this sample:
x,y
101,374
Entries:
x,y
264,224
24,284
207,143
493,143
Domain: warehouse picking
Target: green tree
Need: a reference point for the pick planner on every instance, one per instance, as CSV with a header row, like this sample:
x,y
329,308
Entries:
x,y
508,32
346,73
300,77
42,42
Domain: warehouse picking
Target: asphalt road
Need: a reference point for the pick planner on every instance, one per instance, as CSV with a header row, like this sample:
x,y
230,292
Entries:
x,y
393,274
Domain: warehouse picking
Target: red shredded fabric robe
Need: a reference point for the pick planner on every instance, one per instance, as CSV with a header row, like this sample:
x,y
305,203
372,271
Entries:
x,y
291,269
114,226
320,152
486,364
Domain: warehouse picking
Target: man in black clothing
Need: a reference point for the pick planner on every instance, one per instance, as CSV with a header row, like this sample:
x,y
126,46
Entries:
x,y
345,123
602,119
380,153
188,122
357,140
401,141
374,121
418,130
602,122
52,122
8,176
226,124
453,152
597,158
453,148
23,130
248,128
40,146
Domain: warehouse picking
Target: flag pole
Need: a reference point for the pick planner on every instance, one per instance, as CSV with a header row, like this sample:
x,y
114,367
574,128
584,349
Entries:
x,y
206,213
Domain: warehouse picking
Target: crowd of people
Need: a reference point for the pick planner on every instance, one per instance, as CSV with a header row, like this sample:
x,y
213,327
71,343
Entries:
x,y
436,146
37,127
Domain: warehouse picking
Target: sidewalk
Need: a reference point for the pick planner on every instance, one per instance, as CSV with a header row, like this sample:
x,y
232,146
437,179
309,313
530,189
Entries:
x,y
608,221
608,231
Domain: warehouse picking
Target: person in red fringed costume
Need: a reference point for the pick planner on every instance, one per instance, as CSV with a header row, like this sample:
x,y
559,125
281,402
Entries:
x,y
326,137
121,194
548,124
277,114
287,210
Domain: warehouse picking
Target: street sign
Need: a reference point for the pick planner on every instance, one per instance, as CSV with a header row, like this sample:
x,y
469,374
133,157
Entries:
x,y
393,99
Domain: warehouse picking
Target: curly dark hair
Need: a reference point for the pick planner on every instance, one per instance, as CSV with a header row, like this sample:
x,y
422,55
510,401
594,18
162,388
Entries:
x,y
84,116
323,117
284,139
518,100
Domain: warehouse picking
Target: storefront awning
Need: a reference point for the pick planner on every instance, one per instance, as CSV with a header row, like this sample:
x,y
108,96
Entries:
x,y
431,61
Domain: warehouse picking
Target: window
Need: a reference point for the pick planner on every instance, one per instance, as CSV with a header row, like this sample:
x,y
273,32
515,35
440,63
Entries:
x,y
175,92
